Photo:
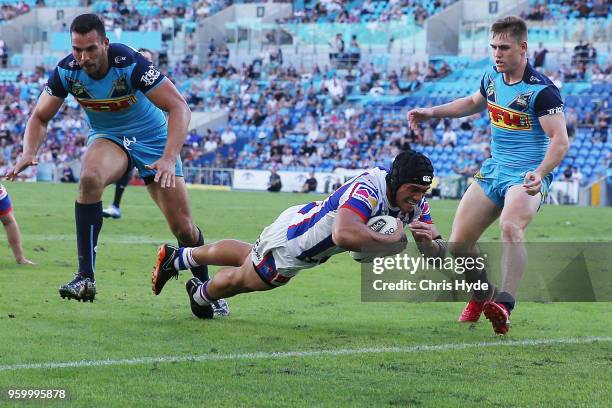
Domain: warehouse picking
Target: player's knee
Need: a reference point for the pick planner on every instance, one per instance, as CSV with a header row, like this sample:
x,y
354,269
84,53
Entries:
x,y
511,231
185,232
6,220
91,182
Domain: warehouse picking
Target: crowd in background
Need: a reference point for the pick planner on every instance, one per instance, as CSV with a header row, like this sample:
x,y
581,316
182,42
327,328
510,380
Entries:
x,y
338,11
287,118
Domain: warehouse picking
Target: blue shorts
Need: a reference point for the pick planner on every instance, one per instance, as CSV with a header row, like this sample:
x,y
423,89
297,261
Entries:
x,y
495,179
146,149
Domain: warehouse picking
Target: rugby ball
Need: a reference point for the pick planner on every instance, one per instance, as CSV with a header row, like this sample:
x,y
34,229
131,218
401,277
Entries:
x,y
383,224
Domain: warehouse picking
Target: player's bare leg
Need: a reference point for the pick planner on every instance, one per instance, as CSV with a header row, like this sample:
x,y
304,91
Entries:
x,y
227,282
171,260
519,210
227,252
475,213
13,236
174,204
103,164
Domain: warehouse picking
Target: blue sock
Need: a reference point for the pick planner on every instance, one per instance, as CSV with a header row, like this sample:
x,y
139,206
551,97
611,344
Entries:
x,y
88,225
200,272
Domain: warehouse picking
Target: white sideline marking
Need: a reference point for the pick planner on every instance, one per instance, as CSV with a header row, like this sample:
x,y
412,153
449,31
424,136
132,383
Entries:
x,y
269,355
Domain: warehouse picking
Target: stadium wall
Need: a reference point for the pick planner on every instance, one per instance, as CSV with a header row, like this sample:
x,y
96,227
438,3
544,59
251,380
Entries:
x,y
292,180
481,11
443,31
242,14
36,25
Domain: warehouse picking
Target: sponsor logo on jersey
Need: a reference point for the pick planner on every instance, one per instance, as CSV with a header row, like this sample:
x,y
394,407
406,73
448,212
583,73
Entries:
x,y
150,76
534,79
558,109
507,118
491,90
108,105
120,87
521,102
76,88
366,195
427,179
120,59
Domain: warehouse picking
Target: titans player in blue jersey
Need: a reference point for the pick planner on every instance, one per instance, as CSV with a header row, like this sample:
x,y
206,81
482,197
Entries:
x,y
529,139
114,210
124,96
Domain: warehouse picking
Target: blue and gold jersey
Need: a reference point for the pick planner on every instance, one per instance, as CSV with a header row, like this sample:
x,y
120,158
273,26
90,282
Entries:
x,y
517,138
116,104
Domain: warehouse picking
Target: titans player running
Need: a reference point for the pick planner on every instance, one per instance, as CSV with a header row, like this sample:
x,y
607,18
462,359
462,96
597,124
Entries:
x,y
307,235
124,97
529,139
114,210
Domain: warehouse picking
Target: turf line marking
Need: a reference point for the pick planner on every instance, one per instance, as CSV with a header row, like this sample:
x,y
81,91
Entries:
x,y
315,353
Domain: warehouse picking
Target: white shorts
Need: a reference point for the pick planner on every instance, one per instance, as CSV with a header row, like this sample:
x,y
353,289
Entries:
x,y
270,256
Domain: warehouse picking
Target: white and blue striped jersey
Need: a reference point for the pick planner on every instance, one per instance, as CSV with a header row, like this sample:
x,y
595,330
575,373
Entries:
x,y
309,236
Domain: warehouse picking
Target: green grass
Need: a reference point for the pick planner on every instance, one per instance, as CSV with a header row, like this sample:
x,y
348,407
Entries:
x,y
318,310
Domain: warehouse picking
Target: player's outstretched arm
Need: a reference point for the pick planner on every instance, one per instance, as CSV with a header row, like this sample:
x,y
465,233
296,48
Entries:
x,y
36,131
458,108
351,232
167,98
428,239
555,128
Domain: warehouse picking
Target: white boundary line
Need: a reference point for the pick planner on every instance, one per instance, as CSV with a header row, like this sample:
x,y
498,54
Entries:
x,y
316,353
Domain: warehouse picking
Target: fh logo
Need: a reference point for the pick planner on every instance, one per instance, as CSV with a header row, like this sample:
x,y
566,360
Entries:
x,y
507,118
127,142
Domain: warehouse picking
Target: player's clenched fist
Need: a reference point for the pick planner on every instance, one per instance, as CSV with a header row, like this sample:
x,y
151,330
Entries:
x,y
419,115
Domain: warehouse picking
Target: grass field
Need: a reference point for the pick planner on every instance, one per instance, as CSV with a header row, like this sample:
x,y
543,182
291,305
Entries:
x,y
311,343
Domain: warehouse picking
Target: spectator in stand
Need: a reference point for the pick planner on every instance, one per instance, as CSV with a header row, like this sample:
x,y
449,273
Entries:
x,y
590,54
567,173
571,121
336,47
600,8
275,183
228,137
3,54
68,175
354,51
429,137
539,56
449,137
600,135
310,185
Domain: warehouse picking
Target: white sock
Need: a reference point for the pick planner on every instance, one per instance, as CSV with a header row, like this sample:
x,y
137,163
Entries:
x,y
185,260
200,295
